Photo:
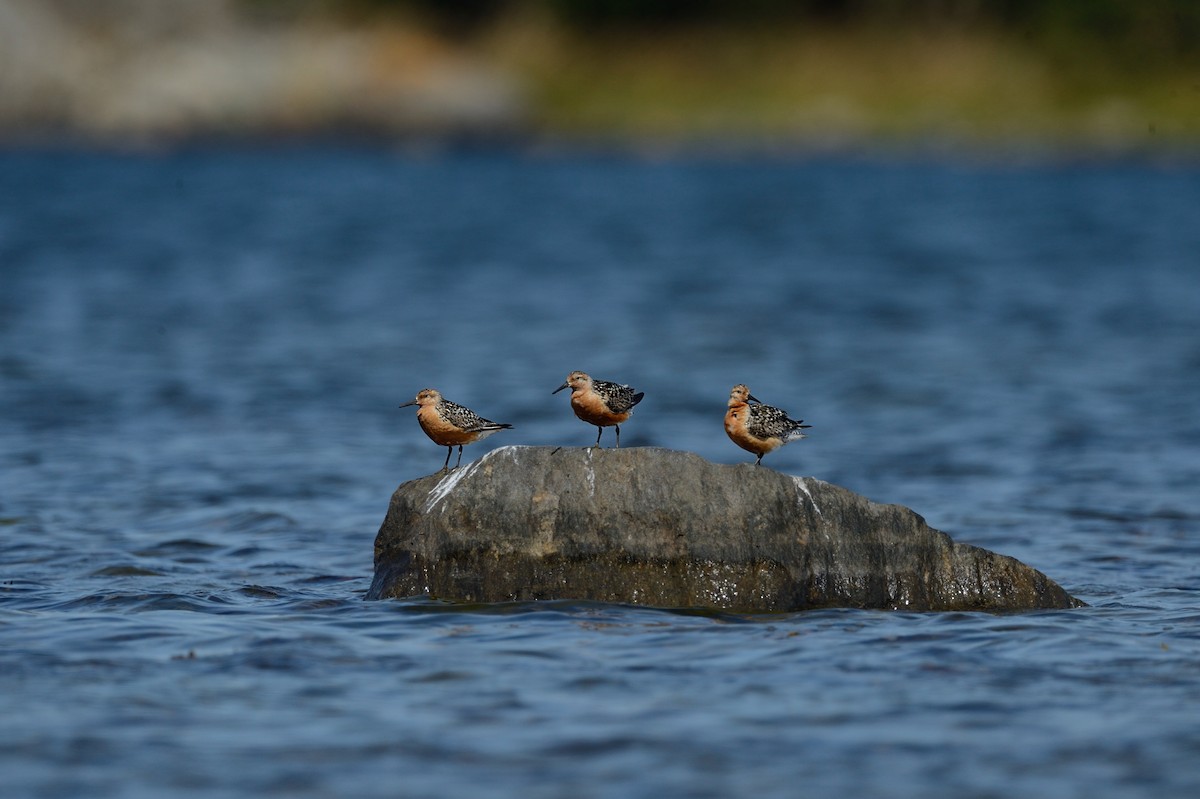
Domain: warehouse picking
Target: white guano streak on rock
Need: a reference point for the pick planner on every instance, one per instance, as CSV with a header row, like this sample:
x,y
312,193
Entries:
x,y
447,484
510,451
591,476
800,484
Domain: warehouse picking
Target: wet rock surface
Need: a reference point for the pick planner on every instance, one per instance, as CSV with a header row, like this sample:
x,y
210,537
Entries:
x,y
658,527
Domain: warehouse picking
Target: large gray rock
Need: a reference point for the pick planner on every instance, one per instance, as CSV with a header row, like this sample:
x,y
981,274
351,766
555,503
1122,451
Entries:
x,y
657,527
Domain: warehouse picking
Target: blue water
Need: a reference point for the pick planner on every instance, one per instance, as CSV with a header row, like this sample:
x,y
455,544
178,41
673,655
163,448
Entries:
x,y
201,357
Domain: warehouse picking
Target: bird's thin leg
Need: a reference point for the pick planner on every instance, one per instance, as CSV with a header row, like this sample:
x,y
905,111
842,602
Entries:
x,y
618,435
759,461
446,465
599,432
458,462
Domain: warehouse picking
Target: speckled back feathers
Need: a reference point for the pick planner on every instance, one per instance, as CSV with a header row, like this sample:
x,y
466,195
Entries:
x,y
619,398
766,421
465,418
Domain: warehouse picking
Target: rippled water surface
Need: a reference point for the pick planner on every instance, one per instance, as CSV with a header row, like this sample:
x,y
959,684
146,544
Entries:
x,y
202,354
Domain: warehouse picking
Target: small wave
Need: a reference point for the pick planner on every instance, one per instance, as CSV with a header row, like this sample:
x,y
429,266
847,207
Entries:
x,y
256,522
123,570
261,592
177,546
143,602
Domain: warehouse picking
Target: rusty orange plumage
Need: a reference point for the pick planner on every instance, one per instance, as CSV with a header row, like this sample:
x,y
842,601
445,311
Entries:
x,y
759,428
450,424
600,402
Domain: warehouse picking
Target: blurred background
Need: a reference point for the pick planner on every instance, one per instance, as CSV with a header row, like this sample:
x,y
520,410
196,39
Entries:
x,y
1092,74
958,238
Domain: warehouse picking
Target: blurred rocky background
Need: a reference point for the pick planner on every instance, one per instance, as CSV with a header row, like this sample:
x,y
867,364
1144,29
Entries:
x,y
1088,74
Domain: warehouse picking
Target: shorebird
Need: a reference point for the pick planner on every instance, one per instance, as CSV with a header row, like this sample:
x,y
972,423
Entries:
x,y
450,424
600,402
759,428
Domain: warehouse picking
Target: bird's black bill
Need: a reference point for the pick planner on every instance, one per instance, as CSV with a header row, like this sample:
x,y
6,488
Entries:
x,y
560,388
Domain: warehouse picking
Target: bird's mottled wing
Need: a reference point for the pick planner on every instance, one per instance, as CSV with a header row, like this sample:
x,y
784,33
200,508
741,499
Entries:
x,y
617,397
464,418
766,421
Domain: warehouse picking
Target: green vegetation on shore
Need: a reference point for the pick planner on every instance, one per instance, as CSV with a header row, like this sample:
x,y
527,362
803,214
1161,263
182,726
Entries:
x,y
1098,73
1088,75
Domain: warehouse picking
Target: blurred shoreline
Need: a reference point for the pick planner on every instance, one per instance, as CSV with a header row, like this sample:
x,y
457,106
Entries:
x,y
139,73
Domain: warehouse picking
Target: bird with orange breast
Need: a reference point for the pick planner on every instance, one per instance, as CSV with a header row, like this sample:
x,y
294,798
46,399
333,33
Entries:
x,y
600,402
450,424
759,428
